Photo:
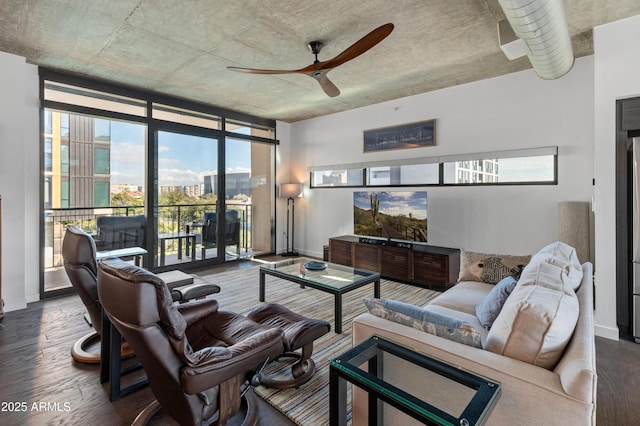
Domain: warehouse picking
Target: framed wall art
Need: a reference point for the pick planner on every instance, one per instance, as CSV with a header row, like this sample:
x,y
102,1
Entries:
x,y
405,136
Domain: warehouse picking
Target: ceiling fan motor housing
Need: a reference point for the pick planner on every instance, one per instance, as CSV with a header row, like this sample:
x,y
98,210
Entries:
x,y
315,47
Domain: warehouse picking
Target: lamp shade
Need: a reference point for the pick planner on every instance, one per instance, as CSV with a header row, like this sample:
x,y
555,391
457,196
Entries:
x,y
290,190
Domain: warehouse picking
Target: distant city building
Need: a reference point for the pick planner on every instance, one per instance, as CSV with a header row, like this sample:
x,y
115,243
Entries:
x,y
235,184
335,178
190,190
475,171
194,190
119,188
170,188
209,185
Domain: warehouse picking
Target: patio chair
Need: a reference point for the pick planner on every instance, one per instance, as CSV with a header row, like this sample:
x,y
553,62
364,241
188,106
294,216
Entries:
x,y
231,231
117,232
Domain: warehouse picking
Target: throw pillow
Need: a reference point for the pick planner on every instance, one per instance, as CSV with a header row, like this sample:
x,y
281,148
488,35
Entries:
x,y
563,256
487,311
494,270
490,268
539,317
423,319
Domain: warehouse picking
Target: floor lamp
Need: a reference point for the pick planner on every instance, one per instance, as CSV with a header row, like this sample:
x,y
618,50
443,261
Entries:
x,y
290,191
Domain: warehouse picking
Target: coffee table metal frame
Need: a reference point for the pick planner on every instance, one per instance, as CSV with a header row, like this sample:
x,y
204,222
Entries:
x,y
306,278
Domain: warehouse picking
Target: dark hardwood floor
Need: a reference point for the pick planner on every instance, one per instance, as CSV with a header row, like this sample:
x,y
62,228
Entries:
x,y
41,384
618,365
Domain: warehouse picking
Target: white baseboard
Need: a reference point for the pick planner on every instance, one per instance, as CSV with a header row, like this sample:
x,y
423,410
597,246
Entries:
x,y
607,332
11,305
35,297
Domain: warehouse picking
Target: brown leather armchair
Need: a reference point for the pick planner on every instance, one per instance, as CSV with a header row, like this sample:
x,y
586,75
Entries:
x,y
79,254
195,356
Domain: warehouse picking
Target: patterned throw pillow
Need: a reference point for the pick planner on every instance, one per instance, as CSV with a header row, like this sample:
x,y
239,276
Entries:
x,y
423,319
490,268
494,270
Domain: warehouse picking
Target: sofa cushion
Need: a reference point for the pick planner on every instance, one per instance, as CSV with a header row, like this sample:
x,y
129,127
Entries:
x,y
488,310
538,318
424,319
490,268
463,296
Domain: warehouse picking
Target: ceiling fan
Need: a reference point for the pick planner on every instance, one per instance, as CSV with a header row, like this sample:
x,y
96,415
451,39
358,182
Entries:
x,y
319,69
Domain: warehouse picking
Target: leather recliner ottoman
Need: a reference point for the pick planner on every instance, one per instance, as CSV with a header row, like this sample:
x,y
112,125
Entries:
x,y
299,333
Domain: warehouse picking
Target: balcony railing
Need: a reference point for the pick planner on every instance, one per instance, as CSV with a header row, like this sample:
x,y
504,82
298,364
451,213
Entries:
x,y
171,218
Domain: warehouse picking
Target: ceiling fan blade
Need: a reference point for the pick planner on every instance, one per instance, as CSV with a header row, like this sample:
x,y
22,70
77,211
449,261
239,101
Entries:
x,y
326,84
318,70
359,47
257,71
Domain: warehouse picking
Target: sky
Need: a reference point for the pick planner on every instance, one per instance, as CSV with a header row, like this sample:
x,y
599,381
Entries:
x,y
182,159
526,169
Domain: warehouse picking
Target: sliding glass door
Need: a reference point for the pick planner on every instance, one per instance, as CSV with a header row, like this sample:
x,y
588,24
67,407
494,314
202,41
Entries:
x,y
205,215
188,211
249,195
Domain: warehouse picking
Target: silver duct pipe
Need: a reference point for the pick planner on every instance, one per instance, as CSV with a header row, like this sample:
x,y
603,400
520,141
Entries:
x,y
542,25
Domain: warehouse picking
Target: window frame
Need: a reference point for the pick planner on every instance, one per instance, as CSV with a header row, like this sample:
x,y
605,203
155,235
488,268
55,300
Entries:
x,y
441,161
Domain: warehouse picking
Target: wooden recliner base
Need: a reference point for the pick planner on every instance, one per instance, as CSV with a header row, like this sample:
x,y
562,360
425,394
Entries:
x,y
80,354
250,414
301,371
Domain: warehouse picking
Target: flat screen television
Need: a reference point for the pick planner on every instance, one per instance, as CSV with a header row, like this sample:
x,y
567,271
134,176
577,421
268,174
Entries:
x,y
395,215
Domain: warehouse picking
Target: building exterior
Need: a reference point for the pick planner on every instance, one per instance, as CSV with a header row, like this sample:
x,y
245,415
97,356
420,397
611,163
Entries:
x,y
476,171
77,161
235,184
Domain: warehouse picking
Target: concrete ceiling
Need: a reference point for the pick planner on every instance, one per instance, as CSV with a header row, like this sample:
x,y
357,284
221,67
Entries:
x,y
183,48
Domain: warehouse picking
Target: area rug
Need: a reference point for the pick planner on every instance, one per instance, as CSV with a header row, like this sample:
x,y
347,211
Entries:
x,y
309,404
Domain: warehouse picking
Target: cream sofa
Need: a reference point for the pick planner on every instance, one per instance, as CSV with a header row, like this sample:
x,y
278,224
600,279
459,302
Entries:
x,y
530,394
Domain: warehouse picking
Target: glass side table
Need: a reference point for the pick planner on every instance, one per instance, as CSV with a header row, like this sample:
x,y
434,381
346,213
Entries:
x,y
449,396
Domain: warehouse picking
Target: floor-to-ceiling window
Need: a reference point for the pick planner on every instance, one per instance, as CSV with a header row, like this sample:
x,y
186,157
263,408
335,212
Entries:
x,y
187,199
201,177
249,184
97,169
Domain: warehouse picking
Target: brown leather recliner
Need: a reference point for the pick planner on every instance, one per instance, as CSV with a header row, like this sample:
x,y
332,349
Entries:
x,y
79,254
195,356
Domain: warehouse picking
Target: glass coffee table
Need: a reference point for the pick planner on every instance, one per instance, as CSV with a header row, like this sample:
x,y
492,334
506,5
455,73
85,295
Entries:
x,y
437,393
324,276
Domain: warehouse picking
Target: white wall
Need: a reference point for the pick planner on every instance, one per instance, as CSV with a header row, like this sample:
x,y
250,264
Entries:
x,y
514,111
19,180
617,76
